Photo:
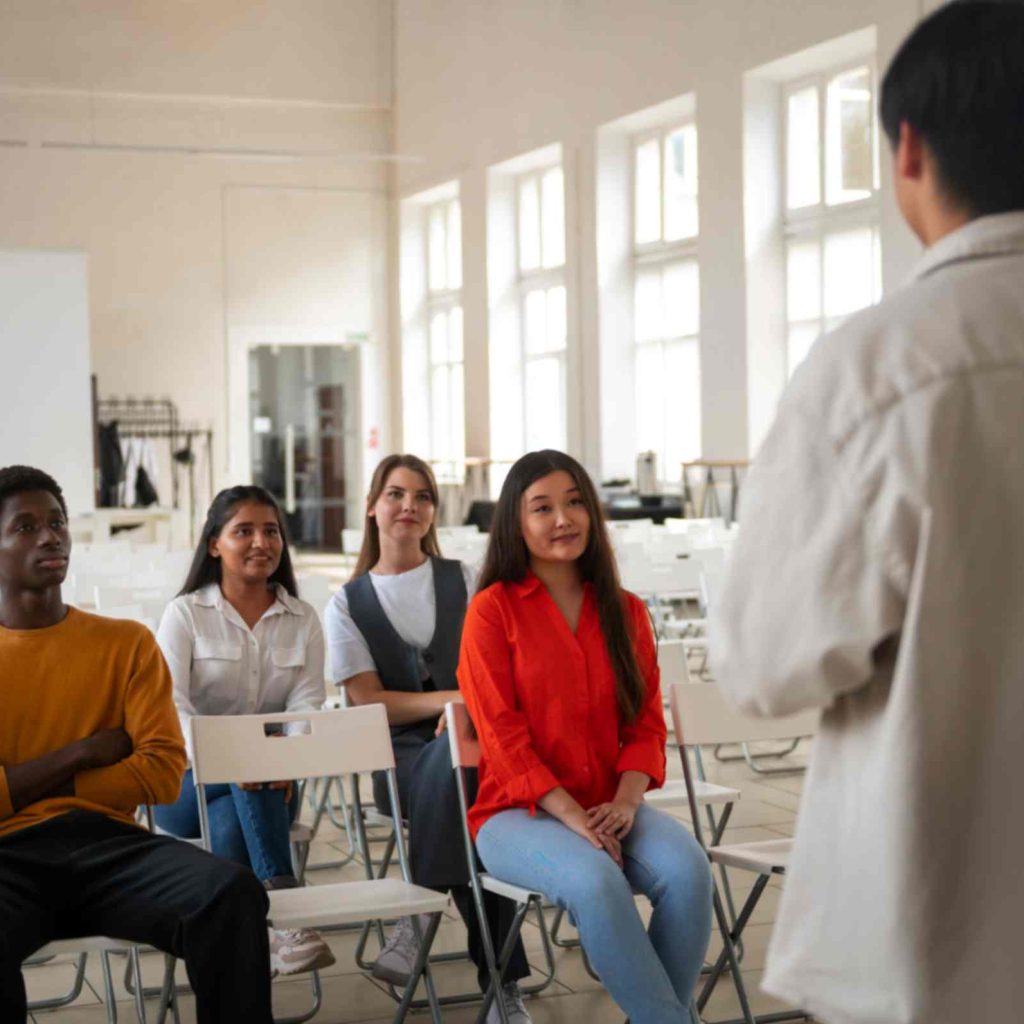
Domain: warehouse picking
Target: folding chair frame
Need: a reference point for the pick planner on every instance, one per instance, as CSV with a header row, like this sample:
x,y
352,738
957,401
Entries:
x,y
731,936
425,938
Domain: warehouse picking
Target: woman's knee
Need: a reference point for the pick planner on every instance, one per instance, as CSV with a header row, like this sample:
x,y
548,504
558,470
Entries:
x,y
595,884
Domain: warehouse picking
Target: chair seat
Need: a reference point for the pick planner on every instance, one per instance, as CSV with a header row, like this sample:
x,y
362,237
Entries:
x,y
513,892
770,856
316,906
88,944
673,794
300,833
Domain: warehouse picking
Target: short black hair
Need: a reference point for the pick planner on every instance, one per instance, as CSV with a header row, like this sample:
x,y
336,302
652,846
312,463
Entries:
x,y
20,479
958,79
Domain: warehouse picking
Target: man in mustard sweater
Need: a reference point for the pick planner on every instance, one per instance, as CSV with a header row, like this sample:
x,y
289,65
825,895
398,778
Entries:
x,y
88,731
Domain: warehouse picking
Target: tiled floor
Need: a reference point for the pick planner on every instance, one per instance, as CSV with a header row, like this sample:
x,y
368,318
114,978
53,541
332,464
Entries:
x,y
767,810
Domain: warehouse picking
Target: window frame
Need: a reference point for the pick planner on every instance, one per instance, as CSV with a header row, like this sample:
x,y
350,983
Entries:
x,y
442,301
540,278
814,223
659,255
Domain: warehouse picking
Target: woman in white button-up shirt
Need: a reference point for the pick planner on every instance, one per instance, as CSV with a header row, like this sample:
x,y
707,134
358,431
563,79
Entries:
x,y
239,641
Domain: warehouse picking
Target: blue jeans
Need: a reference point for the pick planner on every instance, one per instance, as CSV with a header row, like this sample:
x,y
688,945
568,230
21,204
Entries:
x,y
247,826
651,973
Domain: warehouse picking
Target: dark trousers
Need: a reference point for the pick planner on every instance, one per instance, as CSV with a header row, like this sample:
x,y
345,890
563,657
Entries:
x,y
437,854
82,874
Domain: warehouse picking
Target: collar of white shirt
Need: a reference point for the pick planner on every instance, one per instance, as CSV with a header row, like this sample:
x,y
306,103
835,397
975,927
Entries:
x,y
210,596
995,235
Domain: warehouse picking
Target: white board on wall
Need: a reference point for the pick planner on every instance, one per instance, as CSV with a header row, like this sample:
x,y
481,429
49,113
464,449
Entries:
x,y
45,402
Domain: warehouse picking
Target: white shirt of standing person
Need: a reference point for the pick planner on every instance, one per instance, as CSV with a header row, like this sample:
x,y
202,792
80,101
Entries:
x,y
879,575
222,667
410,604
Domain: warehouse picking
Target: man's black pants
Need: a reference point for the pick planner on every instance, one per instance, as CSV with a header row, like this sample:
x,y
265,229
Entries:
x,y
83,874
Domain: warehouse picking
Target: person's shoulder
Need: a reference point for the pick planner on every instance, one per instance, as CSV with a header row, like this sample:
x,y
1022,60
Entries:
x,y
117,633
494,598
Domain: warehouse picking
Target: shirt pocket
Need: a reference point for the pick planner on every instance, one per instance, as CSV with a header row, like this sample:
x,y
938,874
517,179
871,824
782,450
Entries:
x,y
288,657
216,675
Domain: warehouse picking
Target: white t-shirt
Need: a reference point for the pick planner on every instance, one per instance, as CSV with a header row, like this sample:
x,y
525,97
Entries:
x,y
408,601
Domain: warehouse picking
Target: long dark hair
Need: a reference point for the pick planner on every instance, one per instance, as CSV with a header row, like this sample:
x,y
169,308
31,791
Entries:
x,y
207,569
508,561
369,553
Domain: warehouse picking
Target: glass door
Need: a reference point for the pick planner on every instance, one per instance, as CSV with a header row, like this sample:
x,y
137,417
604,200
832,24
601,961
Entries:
x,y
304,422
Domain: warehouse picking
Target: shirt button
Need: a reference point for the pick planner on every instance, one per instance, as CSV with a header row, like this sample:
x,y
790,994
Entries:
x,y
428,658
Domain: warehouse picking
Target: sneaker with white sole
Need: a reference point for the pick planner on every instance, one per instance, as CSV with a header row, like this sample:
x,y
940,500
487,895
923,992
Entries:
x,y
514,1008
396,959
294,950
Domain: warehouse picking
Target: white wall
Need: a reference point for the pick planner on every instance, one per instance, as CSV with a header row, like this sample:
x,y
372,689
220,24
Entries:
x,y
45,404
222,164
478,82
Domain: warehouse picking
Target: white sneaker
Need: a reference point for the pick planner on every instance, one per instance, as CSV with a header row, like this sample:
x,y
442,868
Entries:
x,y
396,959
514,1008
293,950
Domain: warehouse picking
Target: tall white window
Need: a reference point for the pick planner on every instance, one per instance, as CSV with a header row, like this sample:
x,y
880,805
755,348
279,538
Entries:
x,y
540,260
667,297
833,256
444,370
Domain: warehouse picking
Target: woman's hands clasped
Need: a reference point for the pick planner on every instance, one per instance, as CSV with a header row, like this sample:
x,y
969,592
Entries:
x,y
614,818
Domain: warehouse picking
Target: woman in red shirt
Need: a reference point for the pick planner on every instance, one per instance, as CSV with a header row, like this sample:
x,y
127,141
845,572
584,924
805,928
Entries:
x,y
559,671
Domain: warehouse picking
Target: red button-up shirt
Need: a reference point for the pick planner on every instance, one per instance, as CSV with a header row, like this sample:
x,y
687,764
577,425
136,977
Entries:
x,y
543,700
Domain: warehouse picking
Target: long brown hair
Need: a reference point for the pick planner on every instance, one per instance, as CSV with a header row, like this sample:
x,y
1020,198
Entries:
x,y
508,561
369,553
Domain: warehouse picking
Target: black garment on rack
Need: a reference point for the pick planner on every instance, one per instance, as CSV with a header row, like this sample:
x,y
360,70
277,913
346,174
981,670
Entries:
x,y
111,465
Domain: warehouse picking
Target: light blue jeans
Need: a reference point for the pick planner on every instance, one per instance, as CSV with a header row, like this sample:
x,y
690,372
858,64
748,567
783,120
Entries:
x,y
248,826
651,973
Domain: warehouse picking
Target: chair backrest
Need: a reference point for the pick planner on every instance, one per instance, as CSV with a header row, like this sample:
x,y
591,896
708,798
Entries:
x,y
702,716
672,663
462,739
235,748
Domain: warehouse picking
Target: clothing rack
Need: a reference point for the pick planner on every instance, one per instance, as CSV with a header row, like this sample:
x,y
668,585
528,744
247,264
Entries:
x,y
158,419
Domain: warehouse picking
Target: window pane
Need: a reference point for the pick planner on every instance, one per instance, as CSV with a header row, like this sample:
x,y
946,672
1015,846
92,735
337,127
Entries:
x,y
553,217
650,399
556,320
803,281
849,271
682,407
681,289
529,225
798,344
544,417
647,313
681,184
647,201
457,403
455,335
849,170
415,395
437,270
535,322
803,169
439,338
440,417
454,244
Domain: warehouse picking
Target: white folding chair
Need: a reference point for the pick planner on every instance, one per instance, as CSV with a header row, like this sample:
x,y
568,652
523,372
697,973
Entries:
x,y
236,748
465,751
702,717
104,947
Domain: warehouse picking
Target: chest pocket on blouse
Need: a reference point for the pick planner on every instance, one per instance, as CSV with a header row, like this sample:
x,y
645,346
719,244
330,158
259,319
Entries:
x,y
216,675
288,657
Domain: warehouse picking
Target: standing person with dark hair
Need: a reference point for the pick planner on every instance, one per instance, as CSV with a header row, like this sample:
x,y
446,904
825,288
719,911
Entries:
x,y
560,675
890,594
394,634
87,733
239,641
